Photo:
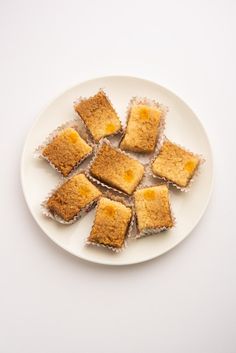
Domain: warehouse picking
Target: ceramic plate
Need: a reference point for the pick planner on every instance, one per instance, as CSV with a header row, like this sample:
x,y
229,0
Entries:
x,y
183,127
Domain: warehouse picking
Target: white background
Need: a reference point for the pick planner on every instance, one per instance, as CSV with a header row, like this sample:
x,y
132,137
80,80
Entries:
x,y
183,301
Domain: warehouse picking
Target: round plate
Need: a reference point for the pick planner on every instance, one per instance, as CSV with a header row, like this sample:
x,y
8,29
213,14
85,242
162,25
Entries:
x,y
183,127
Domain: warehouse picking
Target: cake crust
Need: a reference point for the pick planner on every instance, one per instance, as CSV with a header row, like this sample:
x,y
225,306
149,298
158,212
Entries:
x,y
116,169
72,197
143,128
66,150
152,208
111,223
99,116
175,164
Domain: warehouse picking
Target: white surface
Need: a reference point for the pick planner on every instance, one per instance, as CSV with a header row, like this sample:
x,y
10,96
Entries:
x,y
185,300
182,126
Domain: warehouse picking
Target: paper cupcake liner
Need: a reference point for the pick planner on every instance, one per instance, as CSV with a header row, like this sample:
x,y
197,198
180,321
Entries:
x,y
97,181
77,115
169,182
151,103
120,199
46,212
38,153
116,250
152,231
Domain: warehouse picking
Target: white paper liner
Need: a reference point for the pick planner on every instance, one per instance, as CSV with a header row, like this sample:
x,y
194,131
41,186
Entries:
x,y
152,231
77,115
151,103
169,182
46,212
120,199
97,181
38,153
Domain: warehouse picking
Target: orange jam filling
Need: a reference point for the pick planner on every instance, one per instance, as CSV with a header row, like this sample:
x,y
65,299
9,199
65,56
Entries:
x,y
110,128
128,175
73,136
84,190
109,210
149,195
190,166
144,113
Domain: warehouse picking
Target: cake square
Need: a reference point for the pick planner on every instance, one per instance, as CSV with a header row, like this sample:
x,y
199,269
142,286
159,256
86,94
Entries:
x,y
99,116
72,197
111,223
116,169
66,150
152,209
143,129
175,164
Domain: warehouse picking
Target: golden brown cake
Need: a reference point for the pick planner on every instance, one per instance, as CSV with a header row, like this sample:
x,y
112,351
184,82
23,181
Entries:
x,y
116,169
99,116
143,129
111,223
175,164
66,151
72,197
152,209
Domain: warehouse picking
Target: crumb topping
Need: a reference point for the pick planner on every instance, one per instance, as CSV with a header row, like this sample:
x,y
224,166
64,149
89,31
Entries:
x,y
111,223
99,116
66,150
152,208
117,169
142,129
72,196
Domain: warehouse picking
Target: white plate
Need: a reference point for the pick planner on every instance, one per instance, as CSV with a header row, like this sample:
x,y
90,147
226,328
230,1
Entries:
x,y
183,127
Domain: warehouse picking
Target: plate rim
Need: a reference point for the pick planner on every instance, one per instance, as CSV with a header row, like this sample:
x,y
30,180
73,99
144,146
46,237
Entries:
x,y
107,262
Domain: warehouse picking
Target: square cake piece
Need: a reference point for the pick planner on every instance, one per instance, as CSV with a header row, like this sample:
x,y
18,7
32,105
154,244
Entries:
x,y
66,150
111,223
72,197
116,169
143,129
174,164
152,209
99,116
